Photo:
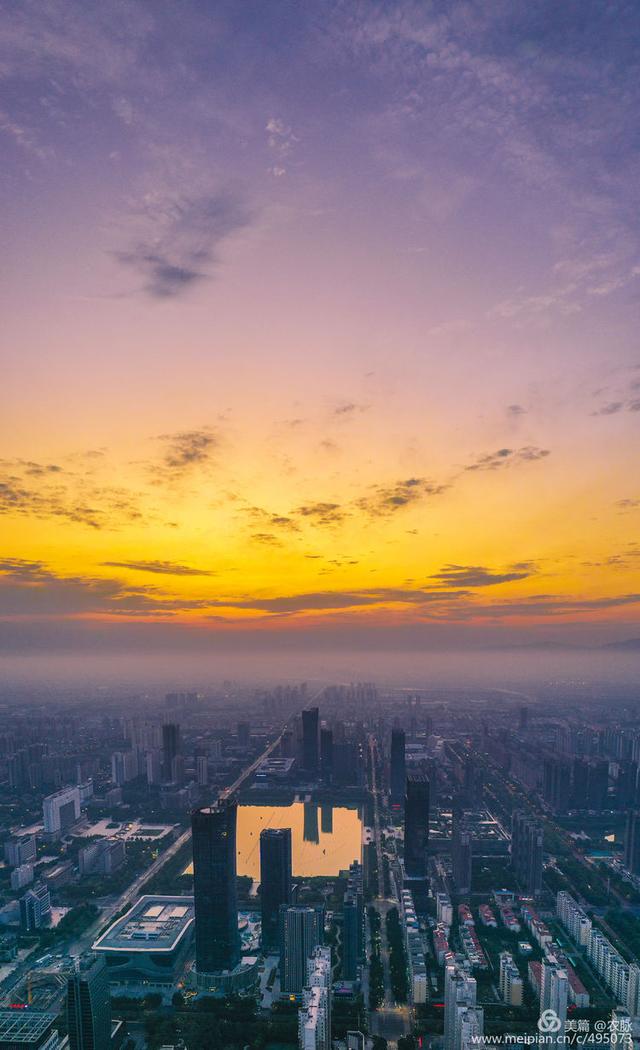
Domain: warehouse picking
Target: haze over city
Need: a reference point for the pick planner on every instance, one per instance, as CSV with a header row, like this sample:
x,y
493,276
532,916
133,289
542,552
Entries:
x,y
319,518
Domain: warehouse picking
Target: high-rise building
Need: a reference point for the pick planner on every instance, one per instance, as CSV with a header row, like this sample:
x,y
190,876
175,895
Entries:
x,y
469,1027
170,748
153,763
244,734
89,1006
61,810
20,850
460,996
213,831
554,994
416,825
397,777
511,986
124,767
353,938
326,753
314,1017
202,770
35,908
633,990
21,876
275,881
351,919
632,842
556,783
598,790
627,784
310,739
301,930
527,852
462,856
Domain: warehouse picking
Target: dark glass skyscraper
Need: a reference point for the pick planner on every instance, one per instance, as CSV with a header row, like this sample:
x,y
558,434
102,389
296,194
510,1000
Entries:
x,y
398,767
213,832
89,1007
275,881
416,825
170,747
310,741
326,753
527,852
632,843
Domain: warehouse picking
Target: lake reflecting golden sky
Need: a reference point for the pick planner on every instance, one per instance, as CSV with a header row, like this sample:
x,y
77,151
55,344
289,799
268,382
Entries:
x,y
325,839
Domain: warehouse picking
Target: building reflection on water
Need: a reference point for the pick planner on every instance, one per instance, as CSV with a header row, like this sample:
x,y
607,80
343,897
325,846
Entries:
x,y
322,844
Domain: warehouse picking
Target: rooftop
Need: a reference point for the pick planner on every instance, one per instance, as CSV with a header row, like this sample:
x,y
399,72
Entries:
x,y
23,1026
154,923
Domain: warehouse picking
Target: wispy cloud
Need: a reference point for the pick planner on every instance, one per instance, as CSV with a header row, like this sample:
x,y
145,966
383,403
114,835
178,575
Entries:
x,y
47,491
479,575
386,499
182,239
163,568
504,457
187,449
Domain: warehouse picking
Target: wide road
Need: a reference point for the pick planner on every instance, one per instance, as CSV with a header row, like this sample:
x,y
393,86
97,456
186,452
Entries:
x,y
391,1020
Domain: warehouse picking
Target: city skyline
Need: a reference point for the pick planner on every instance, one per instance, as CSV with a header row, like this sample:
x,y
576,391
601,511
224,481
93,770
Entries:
x,y
319,320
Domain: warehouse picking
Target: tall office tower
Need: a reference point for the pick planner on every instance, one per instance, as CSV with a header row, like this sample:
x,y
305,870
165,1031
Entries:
x,y
301,930
632,842
556,783
527,852
580,783
554,993
275,881
398,771
626,784
459,995
244,734
462,856
35,908
213,831
170,747
310,741
326,754
314,1017
89,1006
202,770
523,717
598,792
416,826
473,781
